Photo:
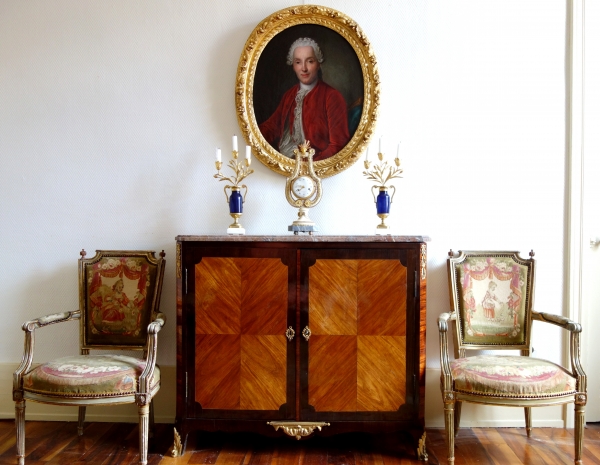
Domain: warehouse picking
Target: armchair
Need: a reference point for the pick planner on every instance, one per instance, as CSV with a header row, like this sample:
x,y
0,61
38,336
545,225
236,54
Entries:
x,y
119,298
491,298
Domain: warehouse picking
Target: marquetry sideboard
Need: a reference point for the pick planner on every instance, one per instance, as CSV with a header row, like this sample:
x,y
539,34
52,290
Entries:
x,y
301,334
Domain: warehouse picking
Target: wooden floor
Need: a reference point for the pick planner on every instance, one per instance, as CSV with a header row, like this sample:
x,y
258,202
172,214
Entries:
x,y
116,444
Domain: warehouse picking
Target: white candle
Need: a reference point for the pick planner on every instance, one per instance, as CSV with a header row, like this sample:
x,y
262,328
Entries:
x,y
248,152
234,141
380,150
218,154
367,154
398,151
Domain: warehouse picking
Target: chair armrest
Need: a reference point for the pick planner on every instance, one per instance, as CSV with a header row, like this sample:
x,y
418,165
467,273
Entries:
x,y
157,324
146,376
443,320
29,327
574,343
557,320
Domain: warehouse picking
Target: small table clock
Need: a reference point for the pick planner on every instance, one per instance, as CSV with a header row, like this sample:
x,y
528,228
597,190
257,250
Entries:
x,y
303,189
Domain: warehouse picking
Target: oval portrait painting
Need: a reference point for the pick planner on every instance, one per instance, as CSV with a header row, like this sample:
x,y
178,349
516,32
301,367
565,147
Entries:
x,y
311,78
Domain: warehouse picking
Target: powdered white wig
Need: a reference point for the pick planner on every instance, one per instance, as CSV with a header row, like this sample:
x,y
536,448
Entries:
x,y
304,42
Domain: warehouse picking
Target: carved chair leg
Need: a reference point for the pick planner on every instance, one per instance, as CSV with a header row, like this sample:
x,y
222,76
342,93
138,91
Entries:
x,y
151,430
80,420
457,410
528,421
579,429
20,427
144,413
449,423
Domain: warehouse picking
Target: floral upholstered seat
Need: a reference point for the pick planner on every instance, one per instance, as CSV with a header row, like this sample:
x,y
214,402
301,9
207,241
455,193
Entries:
x,y
89,376
507,376
491,310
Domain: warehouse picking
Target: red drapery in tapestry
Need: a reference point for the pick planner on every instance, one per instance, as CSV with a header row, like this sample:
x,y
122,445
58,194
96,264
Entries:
x,y
489,270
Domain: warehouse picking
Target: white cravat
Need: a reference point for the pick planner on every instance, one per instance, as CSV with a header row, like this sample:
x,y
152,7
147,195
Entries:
x,y
291,140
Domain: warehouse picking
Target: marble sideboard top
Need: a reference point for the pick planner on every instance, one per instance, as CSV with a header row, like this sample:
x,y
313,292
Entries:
x,y
302,238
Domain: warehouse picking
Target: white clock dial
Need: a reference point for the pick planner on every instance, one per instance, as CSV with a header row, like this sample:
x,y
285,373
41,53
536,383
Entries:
x,y
303,187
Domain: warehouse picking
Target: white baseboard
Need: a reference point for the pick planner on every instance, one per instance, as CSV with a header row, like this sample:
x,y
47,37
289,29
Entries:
x,y
164,406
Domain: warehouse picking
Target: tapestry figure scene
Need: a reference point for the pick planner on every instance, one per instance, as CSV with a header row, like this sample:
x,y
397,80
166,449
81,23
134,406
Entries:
x,y
492,299
117,295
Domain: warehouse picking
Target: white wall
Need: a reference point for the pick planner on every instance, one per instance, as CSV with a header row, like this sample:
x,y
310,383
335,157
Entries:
x,y
110,112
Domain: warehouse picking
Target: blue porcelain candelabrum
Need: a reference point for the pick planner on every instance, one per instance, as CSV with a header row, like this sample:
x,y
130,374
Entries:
x,y
234,198
382,173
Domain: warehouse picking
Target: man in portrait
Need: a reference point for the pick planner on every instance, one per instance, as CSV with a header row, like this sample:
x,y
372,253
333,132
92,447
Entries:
x,y
310,110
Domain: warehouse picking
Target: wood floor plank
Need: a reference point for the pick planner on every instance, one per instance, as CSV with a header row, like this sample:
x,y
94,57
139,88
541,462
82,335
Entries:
x,y
525,449
57,443
285,453
92,433
497,448
555,449
468,449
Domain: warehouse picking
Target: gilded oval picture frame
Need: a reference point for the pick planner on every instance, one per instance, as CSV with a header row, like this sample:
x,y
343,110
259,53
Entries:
x,y
339,77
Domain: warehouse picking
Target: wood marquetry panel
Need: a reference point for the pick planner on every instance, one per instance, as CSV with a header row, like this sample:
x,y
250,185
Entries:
x,y
381,298
218,296
218,371
365,302
241,349
263,372
332,297
264,296
332,373
381,374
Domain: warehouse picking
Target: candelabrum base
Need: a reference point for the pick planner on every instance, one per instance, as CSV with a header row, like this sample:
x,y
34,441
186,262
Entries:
x,y
383,232
382,226
236,227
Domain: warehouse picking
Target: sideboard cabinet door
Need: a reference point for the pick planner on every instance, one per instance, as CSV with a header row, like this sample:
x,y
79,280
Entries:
x,y
238,305
360,362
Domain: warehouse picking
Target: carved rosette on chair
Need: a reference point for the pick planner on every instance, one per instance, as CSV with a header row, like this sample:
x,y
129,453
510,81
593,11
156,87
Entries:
x,y
491,309
119,297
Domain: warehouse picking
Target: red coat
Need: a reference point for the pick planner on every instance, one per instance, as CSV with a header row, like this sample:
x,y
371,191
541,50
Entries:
x,y
324,119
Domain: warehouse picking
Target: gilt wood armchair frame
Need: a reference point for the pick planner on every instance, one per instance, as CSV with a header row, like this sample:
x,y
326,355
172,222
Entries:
x,y
142,338
468,337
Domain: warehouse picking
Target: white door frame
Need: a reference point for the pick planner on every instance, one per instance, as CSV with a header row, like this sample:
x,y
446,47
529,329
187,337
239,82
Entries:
x,y
575,165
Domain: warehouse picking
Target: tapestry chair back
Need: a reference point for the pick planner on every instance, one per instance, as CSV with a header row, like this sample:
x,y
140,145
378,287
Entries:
x,y
118,296
492,295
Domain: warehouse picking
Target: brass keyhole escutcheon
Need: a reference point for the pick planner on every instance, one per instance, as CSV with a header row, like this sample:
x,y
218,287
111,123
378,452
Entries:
x,y
290,333
306,333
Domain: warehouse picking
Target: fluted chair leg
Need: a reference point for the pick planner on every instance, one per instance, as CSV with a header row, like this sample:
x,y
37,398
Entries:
x,y
449,423
151,430
20,427
80,421
528,421
144,413
579,429
457,410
